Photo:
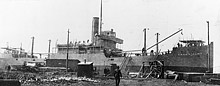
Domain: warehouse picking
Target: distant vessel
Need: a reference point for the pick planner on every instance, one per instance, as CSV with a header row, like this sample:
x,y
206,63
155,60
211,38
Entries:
x,y
15,53
15,57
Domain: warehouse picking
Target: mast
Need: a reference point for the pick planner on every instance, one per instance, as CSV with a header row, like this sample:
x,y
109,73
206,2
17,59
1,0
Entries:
x,y
144,49
100,19
208,49
49,49
157,47
67,53
32,48
20,51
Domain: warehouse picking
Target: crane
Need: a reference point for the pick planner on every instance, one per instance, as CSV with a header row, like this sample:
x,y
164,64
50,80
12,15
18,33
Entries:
x,y
157,42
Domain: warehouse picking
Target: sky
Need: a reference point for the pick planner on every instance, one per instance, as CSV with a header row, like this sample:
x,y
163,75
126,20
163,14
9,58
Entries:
x,y
50,19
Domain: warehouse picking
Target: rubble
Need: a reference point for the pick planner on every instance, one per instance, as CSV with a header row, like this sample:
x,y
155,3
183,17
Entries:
x,y
45,78
70,79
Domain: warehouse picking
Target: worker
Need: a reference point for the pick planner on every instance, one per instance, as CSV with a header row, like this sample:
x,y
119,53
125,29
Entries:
x,y
117,75
143,51
8,68
106,71
151,52
143,68
178,44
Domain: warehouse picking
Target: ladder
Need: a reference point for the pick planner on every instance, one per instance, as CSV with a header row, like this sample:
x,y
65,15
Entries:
x,y
124,64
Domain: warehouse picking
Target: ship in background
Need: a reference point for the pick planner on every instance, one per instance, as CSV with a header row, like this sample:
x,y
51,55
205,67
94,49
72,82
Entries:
x,y
16,53
16,58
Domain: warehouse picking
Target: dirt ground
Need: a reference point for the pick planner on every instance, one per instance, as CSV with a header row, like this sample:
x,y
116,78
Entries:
x,y
124,82
62,79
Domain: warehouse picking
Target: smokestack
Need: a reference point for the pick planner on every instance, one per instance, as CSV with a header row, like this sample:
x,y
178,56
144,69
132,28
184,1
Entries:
x,y
95,28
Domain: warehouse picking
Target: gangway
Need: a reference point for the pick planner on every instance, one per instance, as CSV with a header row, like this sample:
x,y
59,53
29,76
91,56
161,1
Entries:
x,y
125,62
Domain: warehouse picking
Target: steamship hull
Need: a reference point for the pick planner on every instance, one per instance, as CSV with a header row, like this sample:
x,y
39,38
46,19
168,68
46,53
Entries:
x,y
100,61
181,63
196,59
194,63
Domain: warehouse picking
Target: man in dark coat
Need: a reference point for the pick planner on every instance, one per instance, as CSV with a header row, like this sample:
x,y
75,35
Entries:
x,y
117,75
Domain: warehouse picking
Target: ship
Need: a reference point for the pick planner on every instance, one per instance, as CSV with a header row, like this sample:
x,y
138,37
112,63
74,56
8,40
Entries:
x,y
188,56
15,58
102,51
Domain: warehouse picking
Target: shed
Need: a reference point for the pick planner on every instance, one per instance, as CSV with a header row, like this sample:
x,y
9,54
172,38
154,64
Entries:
x,y
9,82
85,69
113,67
72,63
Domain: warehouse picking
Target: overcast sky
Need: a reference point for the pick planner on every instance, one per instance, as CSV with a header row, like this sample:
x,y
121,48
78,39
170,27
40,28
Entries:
x,y
50,19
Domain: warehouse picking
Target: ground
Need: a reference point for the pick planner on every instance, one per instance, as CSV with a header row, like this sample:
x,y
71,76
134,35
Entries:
x,y
62,79
124,82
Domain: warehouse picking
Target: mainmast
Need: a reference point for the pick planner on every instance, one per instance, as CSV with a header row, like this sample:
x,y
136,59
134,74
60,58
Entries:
x,y
100,19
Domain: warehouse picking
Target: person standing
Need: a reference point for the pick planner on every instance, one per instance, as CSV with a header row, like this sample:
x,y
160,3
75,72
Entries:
x,y
117,75
8,68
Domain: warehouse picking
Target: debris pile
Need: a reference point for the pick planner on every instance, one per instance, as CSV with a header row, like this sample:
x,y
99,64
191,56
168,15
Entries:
x,y
50,78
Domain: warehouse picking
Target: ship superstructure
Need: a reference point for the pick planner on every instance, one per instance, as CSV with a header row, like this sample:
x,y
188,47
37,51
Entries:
x,y
104,42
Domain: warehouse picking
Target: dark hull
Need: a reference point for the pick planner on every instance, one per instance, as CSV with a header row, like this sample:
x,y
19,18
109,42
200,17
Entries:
x,y
190,62
174,68
136,68
187,69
